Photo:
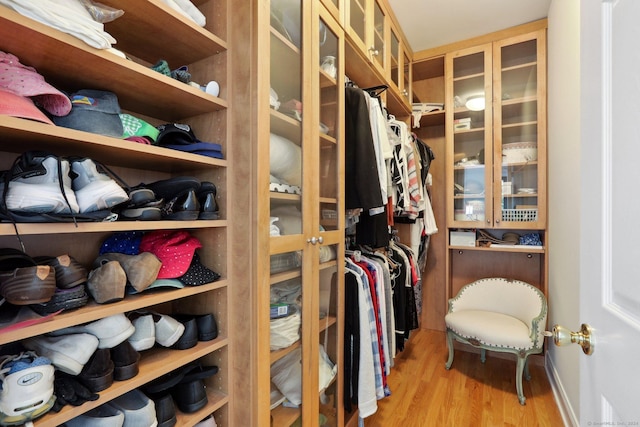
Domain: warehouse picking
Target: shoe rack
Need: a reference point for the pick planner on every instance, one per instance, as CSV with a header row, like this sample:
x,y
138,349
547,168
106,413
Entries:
x,y
148,31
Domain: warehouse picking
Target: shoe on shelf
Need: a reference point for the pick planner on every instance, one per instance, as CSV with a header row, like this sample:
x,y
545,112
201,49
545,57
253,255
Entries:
x,y
102,416
69,272
207,198
144,336
165,410
98,372
126,360
62,299
167,329
206,325
183,207
189,337
141,270
110,331
41,183
69,353
94,188
138,409
26,388
22,281
107,283
207,422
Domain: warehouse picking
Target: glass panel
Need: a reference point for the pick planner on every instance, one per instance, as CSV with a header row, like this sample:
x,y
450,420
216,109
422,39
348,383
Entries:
x,y
395,57
378,34
286,118
329,120
470,174
285,339
519,132
329,338
407,77
357,18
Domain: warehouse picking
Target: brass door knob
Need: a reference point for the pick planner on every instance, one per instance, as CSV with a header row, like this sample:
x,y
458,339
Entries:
x,y
563,336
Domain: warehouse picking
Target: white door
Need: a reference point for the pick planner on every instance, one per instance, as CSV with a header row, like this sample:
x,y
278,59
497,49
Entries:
x,y
610,211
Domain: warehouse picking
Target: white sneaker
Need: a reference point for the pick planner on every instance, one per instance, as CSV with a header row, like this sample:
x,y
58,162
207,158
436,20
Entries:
x,y
144,336
138,409
110,331
68,353
102,416
26,388
95,190
39,183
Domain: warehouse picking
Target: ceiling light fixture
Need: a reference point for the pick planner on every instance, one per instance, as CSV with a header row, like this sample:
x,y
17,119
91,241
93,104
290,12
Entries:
x,y
475,103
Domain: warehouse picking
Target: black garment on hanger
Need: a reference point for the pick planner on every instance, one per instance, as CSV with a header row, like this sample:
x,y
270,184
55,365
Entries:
x,y
360,156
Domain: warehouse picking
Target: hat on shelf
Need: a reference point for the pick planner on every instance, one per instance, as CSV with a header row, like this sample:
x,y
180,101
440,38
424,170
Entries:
x,y
19,106
179,136
95,111
135,127
174,248
126,242
25,81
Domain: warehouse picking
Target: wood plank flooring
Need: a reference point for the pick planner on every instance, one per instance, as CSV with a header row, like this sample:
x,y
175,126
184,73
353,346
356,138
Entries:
x,y
424,393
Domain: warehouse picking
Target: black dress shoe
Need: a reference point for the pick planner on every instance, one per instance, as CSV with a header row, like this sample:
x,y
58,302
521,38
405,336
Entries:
x,y
190,394
207,328
126,361
182,207
189,337
207,197
165,410
97,373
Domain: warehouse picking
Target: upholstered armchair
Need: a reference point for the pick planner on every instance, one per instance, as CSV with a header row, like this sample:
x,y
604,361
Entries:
x,y
499,315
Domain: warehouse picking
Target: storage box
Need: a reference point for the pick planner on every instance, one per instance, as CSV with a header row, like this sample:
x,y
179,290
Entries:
x,y
462,238
279,310
507,187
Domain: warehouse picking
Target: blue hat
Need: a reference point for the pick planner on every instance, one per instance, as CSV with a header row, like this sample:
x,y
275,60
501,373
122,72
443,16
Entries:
x,y
95,111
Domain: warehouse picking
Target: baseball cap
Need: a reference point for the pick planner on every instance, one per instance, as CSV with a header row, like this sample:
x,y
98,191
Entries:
x,y
19,106
95,111
198,274
174,248
25,81
157,284
180,136
135,127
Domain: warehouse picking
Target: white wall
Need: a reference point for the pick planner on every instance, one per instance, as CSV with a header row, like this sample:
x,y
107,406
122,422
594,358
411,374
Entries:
x,y
564,197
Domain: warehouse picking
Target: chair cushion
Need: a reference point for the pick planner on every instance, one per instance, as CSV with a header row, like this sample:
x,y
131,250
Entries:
x,y
490,329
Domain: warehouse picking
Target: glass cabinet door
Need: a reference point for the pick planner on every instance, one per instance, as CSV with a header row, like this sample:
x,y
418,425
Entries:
x,y
471,137
358,20
519,138
394,66
406,80
331,211
377,49
287,215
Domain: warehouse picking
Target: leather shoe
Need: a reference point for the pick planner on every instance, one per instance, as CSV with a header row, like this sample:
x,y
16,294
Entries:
x,y
69,272
207,198
126,361
141,270
107,283
165,411
189,337
183,207
190,394
97,374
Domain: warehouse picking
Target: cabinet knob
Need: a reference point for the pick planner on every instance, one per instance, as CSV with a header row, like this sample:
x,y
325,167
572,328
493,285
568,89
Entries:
x,y
374,51
320,239
313,240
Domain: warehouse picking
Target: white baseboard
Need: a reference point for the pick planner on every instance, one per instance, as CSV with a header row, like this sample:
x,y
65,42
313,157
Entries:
x,y
566,411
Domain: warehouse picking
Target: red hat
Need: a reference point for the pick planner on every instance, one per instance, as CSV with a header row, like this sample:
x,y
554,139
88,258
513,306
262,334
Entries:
x,y
175,248
19,106
25,81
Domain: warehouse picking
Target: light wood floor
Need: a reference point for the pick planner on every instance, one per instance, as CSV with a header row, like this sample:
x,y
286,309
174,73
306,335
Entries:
x,y
424,393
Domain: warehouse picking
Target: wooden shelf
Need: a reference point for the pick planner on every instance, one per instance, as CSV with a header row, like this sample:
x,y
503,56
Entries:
x,y
153,363
524,248
93,311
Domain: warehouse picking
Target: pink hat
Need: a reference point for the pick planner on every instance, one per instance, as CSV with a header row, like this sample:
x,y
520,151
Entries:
x,y
175,248
25,81
19,106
